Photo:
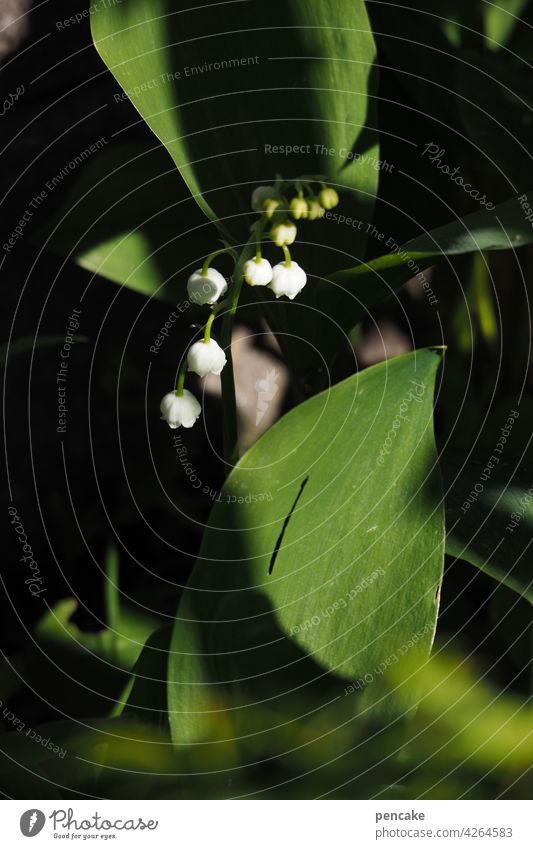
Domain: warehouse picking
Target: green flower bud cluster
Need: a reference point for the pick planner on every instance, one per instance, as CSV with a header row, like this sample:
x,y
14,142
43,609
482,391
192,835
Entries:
x,y
276,205
279,205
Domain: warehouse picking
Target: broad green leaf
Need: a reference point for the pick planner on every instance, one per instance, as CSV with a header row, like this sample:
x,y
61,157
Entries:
x,y
501,18
322,558
489,497
240,94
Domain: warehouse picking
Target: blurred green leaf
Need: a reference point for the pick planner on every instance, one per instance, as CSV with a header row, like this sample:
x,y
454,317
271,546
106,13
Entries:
x,y
500,19
462,718
484,309
475,313
122,648
112,596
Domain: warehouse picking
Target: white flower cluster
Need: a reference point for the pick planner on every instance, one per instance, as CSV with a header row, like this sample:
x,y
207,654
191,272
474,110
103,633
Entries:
x,y
207,285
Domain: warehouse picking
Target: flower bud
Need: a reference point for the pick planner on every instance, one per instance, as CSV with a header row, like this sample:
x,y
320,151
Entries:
x,y
299,208
328,197
283,233
315,210
180,410
206,289
260,195
206,358
270,206
258,272
288,280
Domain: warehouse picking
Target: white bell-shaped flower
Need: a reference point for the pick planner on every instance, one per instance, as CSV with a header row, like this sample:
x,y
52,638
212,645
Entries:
x,y
206,289
283,233
288,280
180,410
257,272
206,358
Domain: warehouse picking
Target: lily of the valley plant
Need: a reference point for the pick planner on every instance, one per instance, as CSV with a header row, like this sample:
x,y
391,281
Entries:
x,y
206,286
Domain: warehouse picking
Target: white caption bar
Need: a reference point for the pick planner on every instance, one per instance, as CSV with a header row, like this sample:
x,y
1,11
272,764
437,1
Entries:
x,y
267,824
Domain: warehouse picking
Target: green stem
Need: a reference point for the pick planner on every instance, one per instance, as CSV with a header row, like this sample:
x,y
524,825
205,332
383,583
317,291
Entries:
x,y
211,257
229,401
288,258
258,235
112,601
207,328
181,378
